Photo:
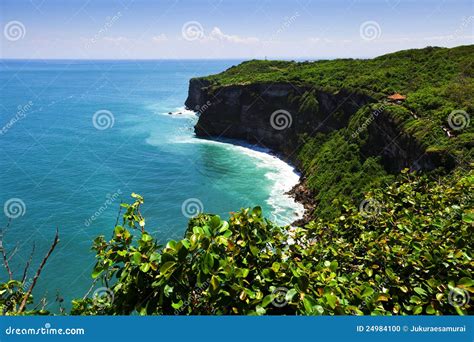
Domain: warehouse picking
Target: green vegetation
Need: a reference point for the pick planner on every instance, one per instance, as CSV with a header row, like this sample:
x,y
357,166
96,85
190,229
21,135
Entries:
x,y
381,243
436,81
407,251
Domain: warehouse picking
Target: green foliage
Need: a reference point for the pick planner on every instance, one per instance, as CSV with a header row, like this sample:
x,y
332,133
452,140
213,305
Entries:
x,y
309,103
404,257
435,80
12,294
337,173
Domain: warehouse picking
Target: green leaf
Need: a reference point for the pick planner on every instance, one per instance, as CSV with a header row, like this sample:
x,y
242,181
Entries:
x,y
368,291
290,294
308,303
430,310
177,305
215,222
136,258
276,267
98,269
167,267
260,310
331,300
257,211
214,282
146,237
168,290
185,243
145,267
207,262
267,300
420,291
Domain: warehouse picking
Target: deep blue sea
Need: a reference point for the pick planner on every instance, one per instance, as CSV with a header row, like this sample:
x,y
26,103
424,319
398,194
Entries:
x,y
78,137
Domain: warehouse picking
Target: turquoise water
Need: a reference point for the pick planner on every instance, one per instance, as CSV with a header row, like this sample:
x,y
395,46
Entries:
x,y
65,169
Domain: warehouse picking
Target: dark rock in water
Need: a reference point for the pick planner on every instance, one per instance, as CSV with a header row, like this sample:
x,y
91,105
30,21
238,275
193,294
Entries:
x,y
179,113
170,113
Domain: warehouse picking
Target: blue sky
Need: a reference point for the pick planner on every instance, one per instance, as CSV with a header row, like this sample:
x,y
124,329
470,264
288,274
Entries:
x,y
146,29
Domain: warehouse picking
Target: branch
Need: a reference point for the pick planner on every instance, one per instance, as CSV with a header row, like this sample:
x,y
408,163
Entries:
x,y
27,266
13,252
118,215
4,254
38,272
90,289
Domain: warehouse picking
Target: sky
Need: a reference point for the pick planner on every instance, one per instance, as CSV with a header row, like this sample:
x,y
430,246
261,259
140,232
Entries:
x,y
219,29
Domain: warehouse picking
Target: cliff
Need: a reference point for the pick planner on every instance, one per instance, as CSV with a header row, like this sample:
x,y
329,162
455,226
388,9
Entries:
x,y
349,132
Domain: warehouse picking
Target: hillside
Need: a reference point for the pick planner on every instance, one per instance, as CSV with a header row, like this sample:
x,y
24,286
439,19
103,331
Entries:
x,y
336,122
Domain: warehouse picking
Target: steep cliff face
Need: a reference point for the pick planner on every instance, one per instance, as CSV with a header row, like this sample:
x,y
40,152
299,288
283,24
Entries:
x,y
245,112
398,150
269,114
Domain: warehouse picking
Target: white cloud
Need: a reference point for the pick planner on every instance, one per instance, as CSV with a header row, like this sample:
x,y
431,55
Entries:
x,y
160,38
216,34
116,39
316,40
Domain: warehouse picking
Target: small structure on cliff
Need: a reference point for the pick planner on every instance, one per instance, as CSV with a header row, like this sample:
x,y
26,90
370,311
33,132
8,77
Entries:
x,y
398,98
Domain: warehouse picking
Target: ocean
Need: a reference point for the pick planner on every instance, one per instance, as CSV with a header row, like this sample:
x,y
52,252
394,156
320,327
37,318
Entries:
x,y
78,137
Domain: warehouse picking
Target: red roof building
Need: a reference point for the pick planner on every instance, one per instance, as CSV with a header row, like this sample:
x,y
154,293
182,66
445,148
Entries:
x,y
397,97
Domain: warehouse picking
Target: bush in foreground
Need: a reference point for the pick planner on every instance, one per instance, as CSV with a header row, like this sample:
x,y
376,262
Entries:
x,y
406,250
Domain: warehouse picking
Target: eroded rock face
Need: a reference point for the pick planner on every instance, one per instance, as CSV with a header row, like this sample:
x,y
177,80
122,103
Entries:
x,y
399,150
245,112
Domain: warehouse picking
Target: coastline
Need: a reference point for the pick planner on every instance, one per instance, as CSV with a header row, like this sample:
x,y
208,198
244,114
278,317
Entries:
x,y
297,191
287,177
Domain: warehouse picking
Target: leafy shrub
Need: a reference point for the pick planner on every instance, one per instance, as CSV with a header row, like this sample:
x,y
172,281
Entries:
x,y
404,256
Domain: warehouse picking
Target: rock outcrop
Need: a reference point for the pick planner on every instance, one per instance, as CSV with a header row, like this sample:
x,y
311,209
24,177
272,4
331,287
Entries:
x,y
270,114
264,113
